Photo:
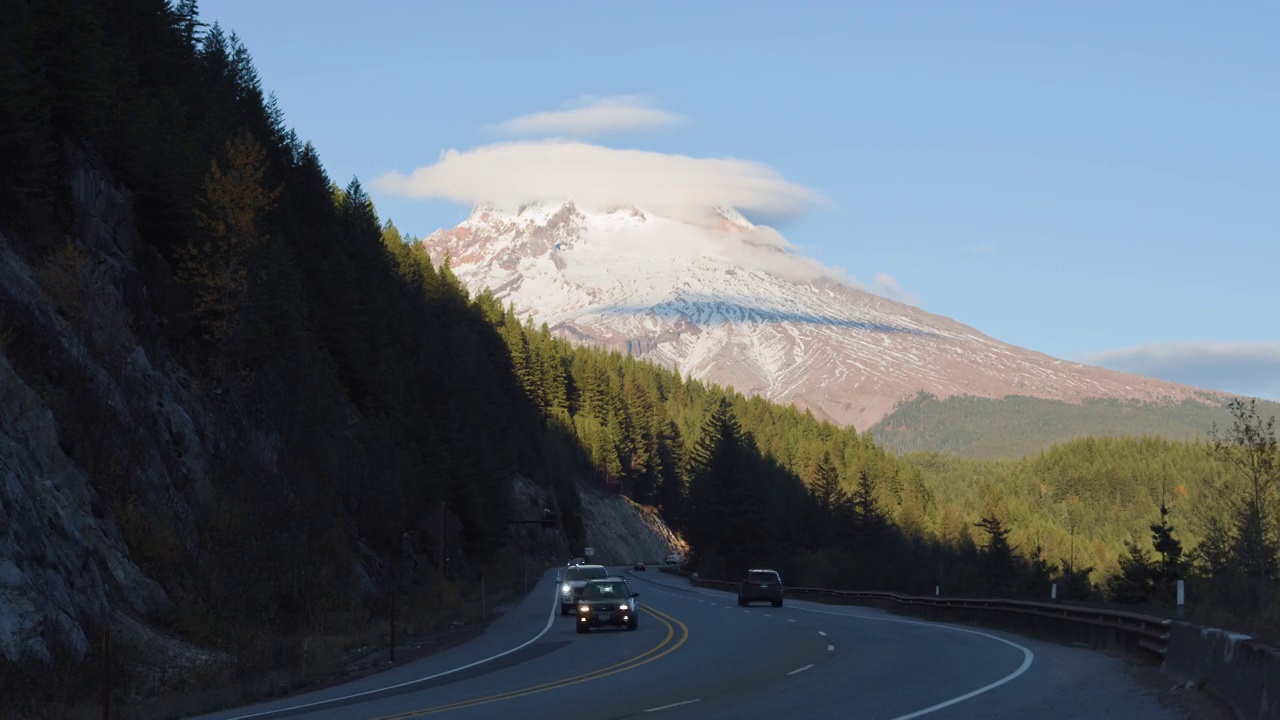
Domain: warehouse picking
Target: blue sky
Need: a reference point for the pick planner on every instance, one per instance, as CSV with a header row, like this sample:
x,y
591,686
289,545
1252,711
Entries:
x,y
1096,181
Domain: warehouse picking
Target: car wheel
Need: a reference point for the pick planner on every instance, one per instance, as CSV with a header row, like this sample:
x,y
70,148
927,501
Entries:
x,y
583,629
777,603
741,602
566,609
633,624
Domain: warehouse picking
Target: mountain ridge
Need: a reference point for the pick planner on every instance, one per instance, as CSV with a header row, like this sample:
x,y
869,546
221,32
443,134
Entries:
x,y
734,303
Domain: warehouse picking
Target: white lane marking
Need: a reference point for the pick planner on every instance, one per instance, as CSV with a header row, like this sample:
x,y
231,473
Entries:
x,y
831,648
797,671
822,633
668,707
1027,658
790,620
551,619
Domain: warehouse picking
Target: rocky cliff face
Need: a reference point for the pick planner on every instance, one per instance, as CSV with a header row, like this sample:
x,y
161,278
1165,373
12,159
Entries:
x,y
69,359
623,532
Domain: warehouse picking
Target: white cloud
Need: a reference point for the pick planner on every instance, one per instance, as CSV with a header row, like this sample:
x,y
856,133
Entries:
x,y
888,286
982,250
590,117
512,174
1251,369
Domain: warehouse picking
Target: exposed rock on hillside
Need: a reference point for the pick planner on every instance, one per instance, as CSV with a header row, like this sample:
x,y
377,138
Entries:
x,y
623,531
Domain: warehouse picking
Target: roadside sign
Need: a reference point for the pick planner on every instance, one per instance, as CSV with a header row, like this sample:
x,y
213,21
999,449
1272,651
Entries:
x,y
589,552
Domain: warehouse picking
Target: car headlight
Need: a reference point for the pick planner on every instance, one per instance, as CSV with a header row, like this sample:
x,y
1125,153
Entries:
x,y
584,608
624,606
566,588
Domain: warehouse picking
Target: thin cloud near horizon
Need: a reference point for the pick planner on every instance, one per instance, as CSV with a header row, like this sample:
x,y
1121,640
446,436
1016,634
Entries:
x,y
1242,368
590,117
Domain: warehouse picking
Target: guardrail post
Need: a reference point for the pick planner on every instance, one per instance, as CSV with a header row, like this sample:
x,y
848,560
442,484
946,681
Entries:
x,y
1182,596
1053,592
937,590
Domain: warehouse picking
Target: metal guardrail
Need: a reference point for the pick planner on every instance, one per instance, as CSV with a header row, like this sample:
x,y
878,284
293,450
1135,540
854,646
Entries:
x,y
1145,631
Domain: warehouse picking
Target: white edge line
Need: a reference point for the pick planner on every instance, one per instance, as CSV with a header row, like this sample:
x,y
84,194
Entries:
x,y
551,619
668,707
1027,657
800,670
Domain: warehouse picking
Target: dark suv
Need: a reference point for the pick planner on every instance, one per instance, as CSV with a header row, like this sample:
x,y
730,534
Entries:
x,y
607,602
761,585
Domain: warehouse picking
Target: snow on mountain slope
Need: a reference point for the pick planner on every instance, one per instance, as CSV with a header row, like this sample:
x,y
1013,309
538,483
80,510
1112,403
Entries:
x,y
732,303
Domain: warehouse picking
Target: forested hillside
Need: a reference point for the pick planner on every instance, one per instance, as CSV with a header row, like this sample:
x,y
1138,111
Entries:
x,y
1016,426
232,395
245,409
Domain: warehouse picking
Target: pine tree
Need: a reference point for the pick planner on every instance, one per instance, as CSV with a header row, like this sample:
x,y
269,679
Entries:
x,y
824,483
217,265
1250,448
999,564
1136,582
1169,566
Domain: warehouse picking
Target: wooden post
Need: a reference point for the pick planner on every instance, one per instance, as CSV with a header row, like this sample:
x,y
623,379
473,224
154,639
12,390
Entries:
x,y
106,674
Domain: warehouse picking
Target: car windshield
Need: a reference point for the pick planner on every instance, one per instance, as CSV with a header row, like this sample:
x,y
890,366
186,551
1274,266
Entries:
x,y
764,576
605,591
585,573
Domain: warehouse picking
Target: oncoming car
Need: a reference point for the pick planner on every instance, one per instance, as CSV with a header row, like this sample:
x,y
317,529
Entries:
x,y
607,602
574,580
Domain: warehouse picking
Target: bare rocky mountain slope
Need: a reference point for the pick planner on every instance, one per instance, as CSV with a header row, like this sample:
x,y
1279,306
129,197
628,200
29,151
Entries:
x,y
731,302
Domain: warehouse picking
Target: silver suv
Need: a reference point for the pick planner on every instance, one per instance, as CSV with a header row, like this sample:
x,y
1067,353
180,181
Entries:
x,y
575,578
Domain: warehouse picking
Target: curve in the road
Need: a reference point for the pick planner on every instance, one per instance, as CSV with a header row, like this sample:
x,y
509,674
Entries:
x,y
667,646
1027,658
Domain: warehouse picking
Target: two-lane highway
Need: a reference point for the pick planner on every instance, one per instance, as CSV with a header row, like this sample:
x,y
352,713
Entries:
x,y
697,654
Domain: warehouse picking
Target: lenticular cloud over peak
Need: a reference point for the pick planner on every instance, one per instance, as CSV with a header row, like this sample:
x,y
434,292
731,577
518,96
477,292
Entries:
x,y
590,117
508,175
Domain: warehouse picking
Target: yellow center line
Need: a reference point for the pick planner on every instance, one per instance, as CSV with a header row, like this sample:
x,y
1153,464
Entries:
x,y
628,664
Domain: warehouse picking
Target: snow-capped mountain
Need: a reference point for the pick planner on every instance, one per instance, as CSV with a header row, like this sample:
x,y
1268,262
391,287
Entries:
x,y
732,303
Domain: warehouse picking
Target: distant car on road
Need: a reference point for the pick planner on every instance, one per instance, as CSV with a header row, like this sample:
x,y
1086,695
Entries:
x,y
609,601
575,578
761,585
640,566
674,559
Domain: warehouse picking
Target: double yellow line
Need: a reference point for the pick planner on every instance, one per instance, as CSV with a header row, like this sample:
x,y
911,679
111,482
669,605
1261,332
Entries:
x,y
668,645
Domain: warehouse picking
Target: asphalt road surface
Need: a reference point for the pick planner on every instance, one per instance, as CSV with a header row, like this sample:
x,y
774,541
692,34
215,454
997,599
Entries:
x,y
697,654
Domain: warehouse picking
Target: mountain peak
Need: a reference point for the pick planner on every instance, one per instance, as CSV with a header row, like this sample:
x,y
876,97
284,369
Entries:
x,y
729,302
